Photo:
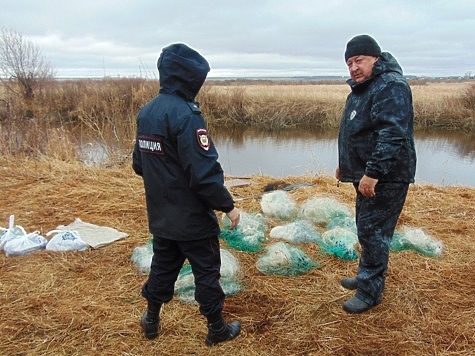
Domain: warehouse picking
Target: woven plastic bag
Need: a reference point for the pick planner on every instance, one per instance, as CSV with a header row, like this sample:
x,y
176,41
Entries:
x,y
284,260
248,235
65,240
417,240
279,204
230,275
323,210
340,242
296,232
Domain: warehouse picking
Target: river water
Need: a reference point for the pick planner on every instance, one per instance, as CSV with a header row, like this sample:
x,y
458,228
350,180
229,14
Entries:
x,y
443,158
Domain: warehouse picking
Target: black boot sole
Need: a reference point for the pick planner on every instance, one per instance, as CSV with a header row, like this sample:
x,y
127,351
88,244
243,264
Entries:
x,y
148,333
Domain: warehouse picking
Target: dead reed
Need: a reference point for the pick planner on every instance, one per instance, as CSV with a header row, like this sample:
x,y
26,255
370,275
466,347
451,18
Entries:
x,y
105,110
90,303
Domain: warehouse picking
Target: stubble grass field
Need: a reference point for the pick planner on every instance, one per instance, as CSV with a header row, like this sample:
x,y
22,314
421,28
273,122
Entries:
x,y
89,303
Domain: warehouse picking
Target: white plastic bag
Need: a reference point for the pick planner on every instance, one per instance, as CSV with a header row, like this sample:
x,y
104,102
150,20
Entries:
x,y
25,244
10,233
65,240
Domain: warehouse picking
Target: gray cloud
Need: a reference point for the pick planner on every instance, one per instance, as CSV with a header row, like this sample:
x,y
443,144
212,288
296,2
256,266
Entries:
x,y
278,37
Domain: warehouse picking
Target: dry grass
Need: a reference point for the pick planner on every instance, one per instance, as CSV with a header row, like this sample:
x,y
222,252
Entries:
x,y
436,105
444,105
274,106
105,110
90,303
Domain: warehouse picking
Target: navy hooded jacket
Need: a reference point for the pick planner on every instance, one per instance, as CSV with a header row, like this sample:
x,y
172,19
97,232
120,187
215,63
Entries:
x,y
174,154
376,135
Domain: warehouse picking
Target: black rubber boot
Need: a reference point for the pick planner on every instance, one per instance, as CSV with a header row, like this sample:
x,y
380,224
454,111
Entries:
x,y
349,283
355,305
221,331
150,321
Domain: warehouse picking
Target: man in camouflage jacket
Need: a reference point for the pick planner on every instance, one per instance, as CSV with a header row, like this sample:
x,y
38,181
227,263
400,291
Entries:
x,y
376,154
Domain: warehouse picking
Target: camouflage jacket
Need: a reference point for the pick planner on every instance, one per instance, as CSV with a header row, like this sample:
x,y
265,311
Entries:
x,y
376,136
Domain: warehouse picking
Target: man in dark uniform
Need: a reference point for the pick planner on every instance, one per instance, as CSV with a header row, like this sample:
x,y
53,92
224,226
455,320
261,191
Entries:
x,y
376,154
184,184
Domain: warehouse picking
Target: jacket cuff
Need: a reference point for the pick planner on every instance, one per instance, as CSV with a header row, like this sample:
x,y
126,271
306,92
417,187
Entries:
x,y
228,209
372,174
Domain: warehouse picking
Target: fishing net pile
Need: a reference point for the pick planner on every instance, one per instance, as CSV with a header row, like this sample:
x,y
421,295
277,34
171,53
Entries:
x,y
338,236
323,221
299,231
230,278
185,284
279,204
418,240
142,257
337,225
248,236
284,260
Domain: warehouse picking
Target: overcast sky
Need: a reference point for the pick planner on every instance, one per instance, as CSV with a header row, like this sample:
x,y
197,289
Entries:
x,y
123,38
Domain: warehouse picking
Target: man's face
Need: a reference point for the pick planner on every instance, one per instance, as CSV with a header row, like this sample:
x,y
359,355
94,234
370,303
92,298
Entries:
x,y
361,67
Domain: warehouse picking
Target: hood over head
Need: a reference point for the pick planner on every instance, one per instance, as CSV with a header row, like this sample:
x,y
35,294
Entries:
x,y
385,64
182,71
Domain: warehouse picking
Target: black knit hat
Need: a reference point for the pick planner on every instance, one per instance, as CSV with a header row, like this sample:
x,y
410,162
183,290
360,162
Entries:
x,y
362,45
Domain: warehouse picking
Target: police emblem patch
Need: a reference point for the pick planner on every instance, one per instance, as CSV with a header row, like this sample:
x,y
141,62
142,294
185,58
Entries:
x,y
203,139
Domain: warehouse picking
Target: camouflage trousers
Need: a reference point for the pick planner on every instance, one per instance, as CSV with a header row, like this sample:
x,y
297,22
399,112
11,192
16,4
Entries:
x,y
376,220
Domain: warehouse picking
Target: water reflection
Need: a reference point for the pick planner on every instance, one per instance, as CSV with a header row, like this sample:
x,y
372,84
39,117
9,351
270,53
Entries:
x,y
444,158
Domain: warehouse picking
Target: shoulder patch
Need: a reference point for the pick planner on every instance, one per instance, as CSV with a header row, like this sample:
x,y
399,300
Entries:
x,y
194,107
203,139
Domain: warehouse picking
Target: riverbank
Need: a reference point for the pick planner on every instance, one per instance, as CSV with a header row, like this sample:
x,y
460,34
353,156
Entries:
x,y
89,302
437,105
107,109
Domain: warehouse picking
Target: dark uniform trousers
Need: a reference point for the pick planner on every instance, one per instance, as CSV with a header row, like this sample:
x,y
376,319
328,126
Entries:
x,y
376,220
205,261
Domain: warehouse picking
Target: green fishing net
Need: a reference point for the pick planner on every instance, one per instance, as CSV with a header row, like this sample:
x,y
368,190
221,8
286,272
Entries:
x,y
296,232
340,242
284,260
248,236
323,210
230,278
344,222
417,240
279,204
